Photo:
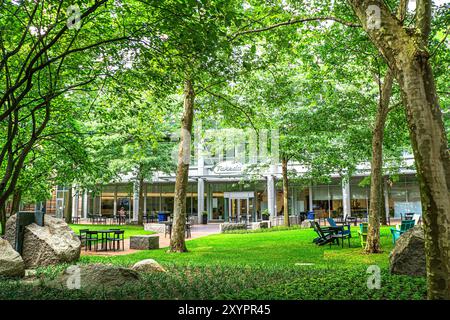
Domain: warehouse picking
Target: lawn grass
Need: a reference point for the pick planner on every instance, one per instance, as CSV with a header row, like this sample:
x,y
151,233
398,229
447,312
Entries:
x,y
130,230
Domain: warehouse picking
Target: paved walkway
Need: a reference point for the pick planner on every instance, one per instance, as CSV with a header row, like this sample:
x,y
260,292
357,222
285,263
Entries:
x,y
197,231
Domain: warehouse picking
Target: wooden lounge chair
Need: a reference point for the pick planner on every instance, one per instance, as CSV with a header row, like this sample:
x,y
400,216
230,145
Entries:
x,y
325,235
363,233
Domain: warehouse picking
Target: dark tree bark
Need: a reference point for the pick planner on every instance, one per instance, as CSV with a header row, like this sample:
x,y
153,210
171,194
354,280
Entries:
x,y
284,165
15,204
376,175
383,213
68,208
407,55
2,218
177,241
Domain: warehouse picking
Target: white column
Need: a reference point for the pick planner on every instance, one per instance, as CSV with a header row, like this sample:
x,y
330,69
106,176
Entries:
x,y
346,198
200,198
310,198
115,202
271,206
85,204
135,202
145,199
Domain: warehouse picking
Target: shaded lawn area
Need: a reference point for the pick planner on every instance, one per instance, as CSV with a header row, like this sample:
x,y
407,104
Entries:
x,y
283,248
130,230
253,266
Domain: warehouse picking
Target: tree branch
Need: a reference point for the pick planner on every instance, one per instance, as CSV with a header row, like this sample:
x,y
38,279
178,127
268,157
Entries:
x,y
297,21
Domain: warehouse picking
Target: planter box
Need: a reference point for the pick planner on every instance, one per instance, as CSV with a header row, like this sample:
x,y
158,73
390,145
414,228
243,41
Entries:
x,y
260,225
156,227
144,242
232,226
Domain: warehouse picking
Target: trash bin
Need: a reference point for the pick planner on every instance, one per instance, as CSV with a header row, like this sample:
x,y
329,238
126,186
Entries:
x,y
162,216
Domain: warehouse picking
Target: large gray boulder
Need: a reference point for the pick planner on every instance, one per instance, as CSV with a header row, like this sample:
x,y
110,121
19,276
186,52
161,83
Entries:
x,y
408,255
51,244
93,277
11,263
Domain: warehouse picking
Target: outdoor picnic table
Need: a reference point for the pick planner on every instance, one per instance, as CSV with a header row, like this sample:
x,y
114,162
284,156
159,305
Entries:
x,y
104,238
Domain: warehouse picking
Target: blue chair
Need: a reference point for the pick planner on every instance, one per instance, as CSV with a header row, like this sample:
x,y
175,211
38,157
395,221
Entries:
x,y
311,215
344,231
405,226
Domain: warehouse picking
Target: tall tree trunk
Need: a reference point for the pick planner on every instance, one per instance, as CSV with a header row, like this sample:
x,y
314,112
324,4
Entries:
x,y
284,165
2,218
407,56
432,162
141,201
177,241
383,213
68,208
15,204
376,175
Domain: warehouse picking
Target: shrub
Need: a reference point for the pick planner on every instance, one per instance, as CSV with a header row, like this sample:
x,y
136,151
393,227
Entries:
x,y
265,229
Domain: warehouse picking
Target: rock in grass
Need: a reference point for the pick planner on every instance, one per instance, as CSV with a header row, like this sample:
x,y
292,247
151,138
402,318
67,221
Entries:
x,y
306,224
408,255
11,263
148,265
95,277
51,244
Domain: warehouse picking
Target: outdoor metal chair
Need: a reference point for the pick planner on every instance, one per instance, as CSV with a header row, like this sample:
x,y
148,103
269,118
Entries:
x,y
168,230
82,236
91,239
188,230
117,237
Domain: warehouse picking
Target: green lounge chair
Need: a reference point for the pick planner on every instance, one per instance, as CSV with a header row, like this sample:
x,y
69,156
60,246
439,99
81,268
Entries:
x,y
405,226
363,233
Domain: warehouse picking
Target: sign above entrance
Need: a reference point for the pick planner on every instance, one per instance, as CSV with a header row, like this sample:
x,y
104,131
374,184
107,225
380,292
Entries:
x,y
228,167
239,194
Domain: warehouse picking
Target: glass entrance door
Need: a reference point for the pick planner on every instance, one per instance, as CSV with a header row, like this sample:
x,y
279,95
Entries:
x,y
239,206
244,211
234,212
239,209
